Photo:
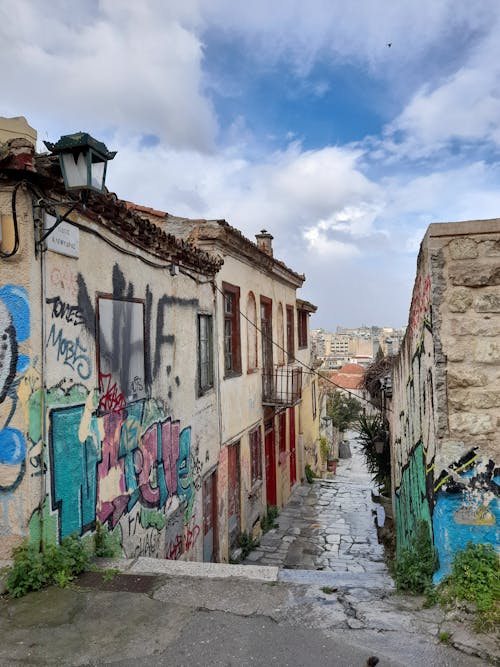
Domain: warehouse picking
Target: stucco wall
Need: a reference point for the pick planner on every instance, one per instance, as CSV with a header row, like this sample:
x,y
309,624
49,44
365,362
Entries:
x,y
130,455
446,402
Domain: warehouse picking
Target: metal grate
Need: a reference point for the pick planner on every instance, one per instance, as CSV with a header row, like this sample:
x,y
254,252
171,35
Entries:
x,y
281,385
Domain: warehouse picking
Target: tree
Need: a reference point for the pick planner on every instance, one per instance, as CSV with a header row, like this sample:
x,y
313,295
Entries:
x,y
342,410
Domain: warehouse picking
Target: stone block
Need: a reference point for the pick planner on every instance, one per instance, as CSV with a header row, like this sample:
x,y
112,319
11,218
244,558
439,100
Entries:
x,y
460,300
456,352
472,423
490,248
488,303
487,351
472,274
479,400
474,327
463,248
466,377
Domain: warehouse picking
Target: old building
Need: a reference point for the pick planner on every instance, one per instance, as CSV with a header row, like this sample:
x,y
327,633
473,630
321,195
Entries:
x,y
267,392
445,412
141,389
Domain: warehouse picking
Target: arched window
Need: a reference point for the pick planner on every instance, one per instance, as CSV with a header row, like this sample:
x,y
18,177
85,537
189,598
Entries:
x,y
252,331
281,335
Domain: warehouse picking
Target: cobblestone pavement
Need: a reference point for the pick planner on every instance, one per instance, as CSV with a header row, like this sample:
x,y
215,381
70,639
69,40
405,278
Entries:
x,y
328,525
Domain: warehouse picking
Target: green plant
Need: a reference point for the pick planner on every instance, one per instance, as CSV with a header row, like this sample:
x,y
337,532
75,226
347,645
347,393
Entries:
x,y
475,577
105,545
444,637
415,564
56,564
268,521
309,474
371,428
342,410
247,544
109,575
324,448
328,590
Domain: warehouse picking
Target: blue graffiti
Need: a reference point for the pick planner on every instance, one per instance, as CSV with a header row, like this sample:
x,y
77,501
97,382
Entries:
x,y
15,328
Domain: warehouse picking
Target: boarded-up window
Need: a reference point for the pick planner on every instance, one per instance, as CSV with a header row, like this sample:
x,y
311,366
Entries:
x,y
256,454
121,352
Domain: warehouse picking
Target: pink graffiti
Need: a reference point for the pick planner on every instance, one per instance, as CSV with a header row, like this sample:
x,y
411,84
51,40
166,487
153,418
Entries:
x,y
64,279
176,548
130,470
112,399
192,533
420,303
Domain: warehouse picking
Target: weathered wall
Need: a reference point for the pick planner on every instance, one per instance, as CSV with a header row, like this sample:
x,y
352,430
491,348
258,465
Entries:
x,y
20,365
118,427
446,402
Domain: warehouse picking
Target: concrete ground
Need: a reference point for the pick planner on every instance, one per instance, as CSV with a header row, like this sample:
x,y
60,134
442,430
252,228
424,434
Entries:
x,y
324,598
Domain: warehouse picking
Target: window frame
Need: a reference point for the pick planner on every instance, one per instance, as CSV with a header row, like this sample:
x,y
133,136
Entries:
x,y
290,334
302,326
252,334
204,388
255,446
233,319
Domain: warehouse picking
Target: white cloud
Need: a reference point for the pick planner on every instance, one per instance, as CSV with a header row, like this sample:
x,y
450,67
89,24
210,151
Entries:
x,y
127,65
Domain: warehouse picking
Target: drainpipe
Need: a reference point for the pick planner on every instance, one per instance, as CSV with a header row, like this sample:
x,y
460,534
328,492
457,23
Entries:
x,y
38,224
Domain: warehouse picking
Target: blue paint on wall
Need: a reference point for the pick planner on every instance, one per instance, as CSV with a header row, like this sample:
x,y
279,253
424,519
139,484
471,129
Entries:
x,y
450,536
12,447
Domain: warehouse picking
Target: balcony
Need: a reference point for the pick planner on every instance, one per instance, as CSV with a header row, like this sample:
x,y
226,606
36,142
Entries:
x,y
281,385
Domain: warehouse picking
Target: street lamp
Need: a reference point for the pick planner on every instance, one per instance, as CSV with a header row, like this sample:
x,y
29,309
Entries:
x,y
83,162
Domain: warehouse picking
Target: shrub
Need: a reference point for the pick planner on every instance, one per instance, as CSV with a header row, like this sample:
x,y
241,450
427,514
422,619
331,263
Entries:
x,y
475,577
268,521
415,564
309,473
33,569
105,545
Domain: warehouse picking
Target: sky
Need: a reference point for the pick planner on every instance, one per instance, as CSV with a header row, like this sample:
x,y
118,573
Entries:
x,y
343,128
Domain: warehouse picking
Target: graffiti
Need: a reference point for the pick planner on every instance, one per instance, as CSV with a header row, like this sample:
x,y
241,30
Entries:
x,y
467,507
176,548
183,541
64,311
102,467
420,306
192,532
64,279
112,399
14,330
155,320
70,352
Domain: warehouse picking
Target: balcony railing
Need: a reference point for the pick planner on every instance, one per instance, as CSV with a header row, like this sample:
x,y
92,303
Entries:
x,y
281,385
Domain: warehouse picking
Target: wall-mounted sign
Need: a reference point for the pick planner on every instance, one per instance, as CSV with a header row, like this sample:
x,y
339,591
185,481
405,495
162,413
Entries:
x,y
65,239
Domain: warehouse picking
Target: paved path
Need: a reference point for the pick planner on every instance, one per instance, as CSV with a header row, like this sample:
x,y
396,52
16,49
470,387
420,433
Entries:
x,y
328,525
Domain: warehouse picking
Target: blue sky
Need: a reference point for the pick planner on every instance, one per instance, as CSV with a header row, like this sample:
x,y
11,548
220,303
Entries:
x,y
295,117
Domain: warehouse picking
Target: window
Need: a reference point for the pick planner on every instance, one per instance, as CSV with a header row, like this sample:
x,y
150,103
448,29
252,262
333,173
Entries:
x,y
302,327
290,342
205,353
120,353
256,455
313,394
252,332
232,353
281,336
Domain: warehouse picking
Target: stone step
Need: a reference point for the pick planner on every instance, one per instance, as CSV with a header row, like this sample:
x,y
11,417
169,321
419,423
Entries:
x,y
367,580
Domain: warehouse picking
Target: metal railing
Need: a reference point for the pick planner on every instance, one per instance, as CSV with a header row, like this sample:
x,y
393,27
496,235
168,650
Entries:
x,y
281,385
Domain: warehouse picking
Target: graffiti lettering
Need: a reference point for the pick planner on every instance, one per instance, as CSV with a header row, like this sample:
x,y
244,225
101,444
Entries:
x,y
64,279
65,311
111,399
71,352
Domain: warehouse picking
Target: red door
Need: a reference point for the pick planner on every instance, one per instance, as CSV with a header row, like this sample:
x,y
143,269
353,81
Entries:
x,y
234,494
210,518
293,463
270,464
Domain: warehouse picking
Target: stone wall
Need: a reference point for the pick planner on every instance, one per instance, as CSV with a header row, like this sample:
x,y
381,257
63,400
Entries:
x,y
446,404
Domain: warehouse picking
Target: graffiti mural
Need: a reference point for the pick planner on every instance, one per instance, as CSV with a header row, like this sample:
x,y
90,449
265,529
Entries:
x,y
14,330
467,507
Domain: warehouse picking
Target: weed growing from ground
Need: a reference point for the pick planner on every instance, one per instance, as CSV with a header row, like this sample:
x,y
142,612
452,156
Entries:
x,y
268,521
415,564
309,474
105,545
57,564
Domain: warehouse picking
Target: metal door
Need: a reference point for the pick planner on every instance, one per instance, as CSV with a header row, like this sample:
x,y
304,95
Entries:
x,y
210,518
234,494
293,462
270,464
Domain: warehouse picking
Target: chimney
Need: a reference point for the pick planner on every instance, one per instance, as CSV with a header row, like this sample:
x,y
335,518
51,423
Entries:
x,y
17,144
265,242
